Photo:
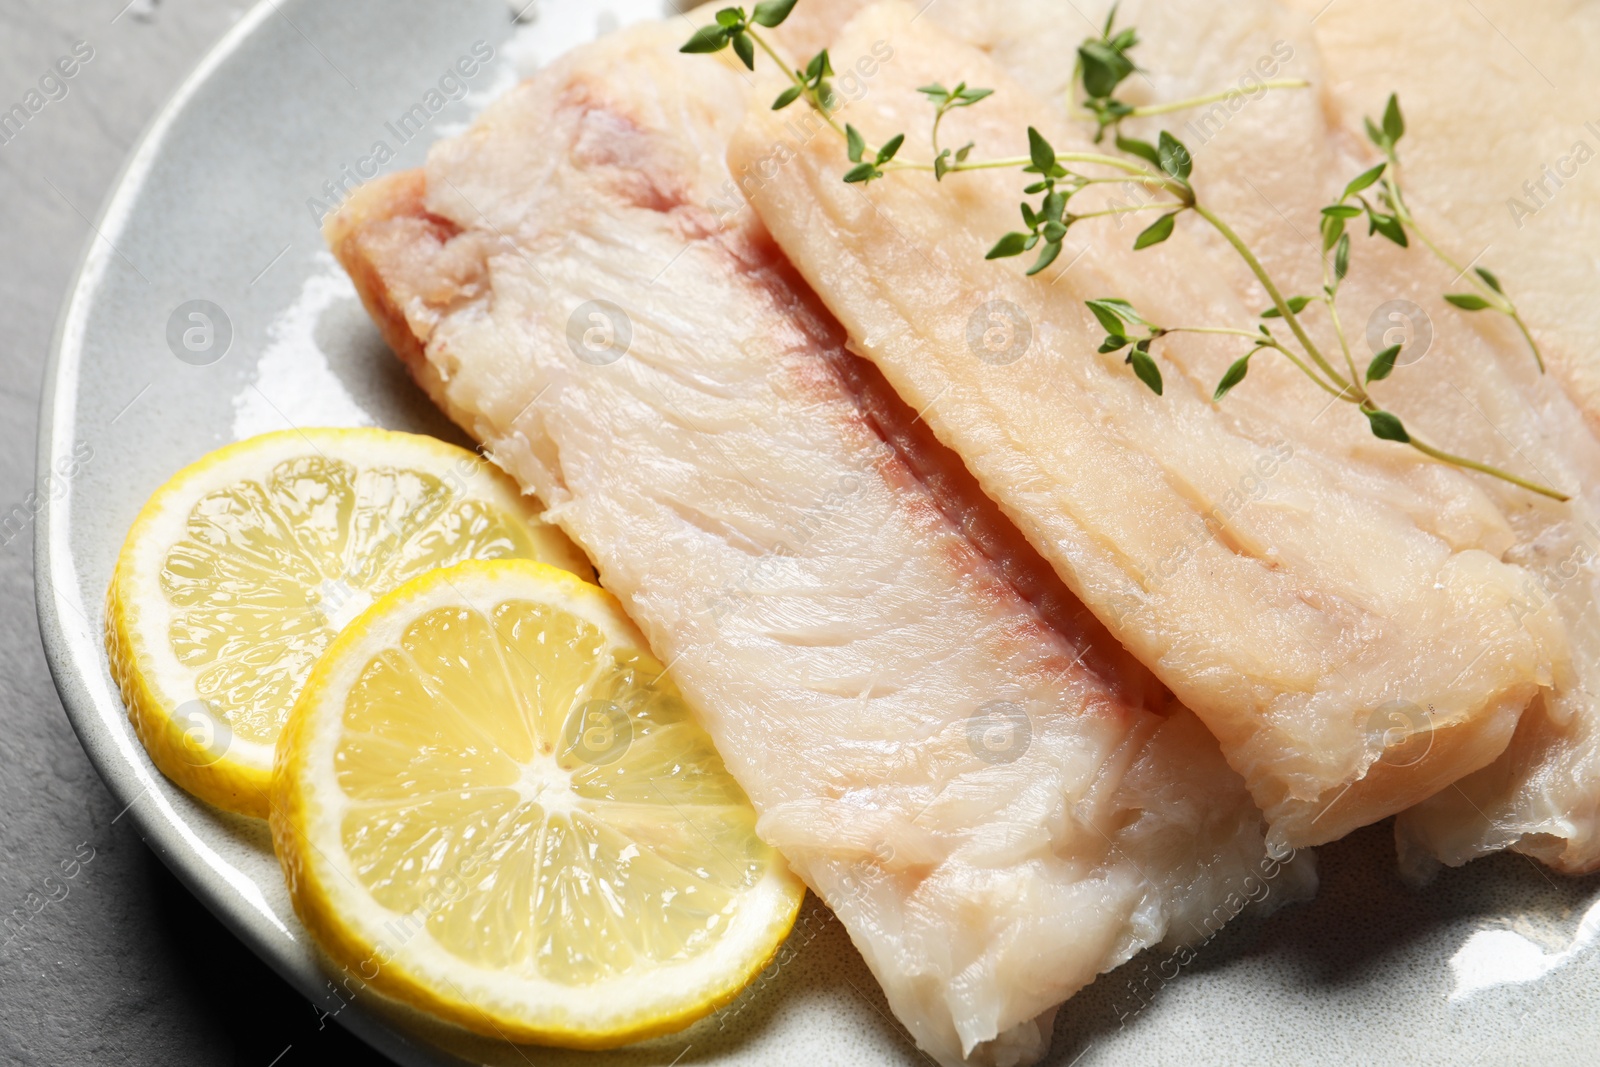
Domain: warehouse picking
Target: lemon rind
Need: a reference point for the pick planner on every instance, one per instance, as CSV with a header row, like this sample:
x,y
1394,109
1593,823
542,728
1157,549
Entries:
x,y
544,1012
240,781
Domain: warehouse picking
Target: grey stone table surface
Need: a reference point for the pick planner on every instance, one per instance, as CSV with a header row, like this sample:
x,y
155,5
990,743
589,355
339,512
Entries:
x,y
104,957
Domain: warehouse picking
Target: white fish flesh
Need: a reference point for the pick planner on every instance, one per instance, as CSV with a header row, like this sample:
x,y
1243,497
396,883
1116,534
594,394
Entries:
x,y
1502,101
1528,209
996,800
1269,161
1293,581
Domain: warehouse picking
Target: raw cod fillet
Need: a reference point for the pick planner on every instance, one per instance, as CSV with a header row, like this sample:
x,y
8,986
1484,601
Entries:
x,y
1475,390
1468,85
1268,162
1294,584
994,798
1516,88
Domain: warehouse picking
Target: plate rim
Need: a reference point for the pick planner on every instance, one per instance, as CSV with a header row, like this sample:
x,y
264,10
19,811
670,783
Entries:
x,y
52,559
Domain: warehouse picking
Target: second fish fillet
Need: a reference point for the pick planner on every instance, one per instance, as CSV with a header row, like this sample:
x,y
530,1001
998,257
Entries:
x,y
1291,597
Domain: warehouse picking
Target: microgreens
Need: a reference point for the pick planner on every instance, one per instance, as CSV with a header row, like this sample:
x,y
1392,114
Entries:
x,y
1165,168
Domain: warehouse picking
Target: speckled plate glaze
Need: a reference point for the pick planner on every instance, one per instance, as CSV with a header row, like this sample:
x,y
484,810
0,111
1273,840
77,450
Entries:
x,y
1493,964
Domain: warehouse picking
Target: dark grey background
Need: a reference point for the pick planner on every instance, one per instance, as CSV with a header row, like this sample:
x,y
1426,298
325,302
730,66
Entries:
x,y
116,964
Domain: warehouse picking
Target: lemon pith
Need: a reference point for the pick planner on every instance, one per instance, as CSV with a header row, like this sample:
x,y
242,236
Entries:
x,y
240,570
491,803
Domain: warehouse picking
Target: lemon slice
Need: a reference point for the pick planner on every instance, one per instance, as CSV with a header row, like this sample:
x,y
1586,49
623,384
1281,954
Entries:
x,y
492,804
241,570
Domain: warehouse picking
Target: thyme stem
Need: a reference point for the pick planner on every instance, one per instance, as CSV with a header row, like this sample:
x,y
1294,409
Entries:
x,y
1278,301
1538,357
1125,211
1484,468
795,79
1496,299
1212,98
1330,297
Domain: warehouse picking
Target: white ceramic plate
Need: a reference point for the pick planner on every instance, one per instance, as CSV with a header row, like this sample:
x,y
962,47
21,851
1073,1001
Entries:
x,y
1494,964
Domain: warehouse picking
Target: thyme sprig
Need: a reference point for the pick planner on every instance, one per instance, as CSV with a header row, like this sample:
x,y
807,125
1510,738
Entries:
x,y
1163,168
1103,65
1490,294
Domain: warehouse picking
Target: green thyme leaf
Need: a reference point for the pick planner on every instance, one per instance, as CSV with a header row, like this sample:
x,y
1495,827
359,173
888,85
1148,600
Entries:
x,y
1296,304
1490,280
1125,309
1054,206
1054,231
1175,158
1039,150
862,172
1012,244
1382,364
1146,369
1233,377
1115,315
1143,149
707,39
787,97
855,144
1363,181
729,17
1113,344
887,152
960,96
1389,226
1387,427
1332,230
1342,211
771,13
1156,232
1104,67
1341,258
1394,124
1376,136
1047,256
820,67
1124,40
964,151
1109,319
745,49
941,165
1467,301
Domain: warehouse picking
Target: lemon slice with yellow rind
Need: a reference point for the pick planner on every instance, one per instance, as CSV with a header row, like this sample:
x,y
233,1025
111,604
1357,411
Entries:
x,y
242,568
491,803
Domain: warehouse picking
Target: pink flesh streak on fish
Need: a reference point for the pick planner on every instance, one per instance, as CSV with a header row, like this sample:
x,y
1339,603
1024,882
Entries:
x,y
995,799
1292,580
